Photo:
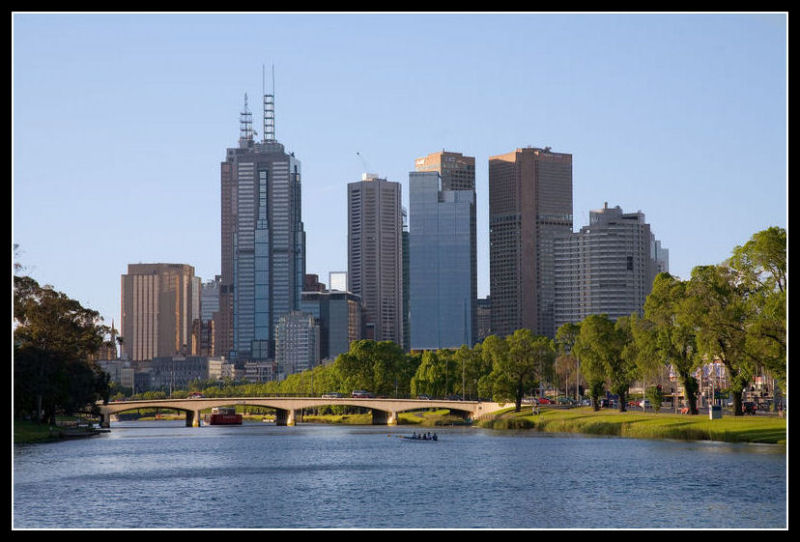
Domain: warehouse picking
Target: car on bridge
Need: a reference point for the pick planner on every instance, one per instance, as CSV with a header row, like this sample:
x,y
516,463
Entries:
x,y
362,394
332,395
424,397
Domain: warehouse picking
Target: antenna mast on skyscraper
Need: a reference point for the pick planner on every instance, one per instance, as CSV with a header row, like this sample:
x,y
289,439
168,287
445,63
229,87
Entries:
x,y
245,123
269,107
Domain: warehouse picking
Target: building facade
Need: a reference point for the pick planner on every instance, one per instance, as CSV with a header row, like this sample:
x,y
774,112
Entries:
x,y
297,341
457,172
337,280
530,205
209,298
340,320
442,268
262,245
483,309
607,267
159,305
375,254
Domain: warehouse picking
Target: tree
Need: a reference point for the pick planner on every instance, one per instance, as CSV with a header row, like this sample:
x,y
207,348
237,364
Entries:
x,y
655,395
673,333
718,307
622,364
430,376
470,363
379,367
566,337
760,265
519,361
54,336
600,347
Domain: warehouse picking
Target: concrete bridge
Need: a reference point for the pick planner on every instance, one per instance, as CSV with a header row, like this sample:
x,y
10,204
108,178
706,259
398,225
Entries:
x,y
289,409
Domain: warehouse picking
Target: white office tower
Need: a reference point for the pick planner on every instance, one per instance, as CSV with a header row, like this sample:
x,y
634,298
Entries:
x,y
607,267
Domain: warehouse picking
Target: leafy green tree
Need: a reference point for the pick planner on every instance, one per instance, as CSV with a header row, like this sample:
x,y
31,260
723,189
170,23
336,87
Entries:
x,y
470,362
429,378
495,384
567,362
673,332
609,350
760,265
592,348
378,367
54,337
718,306
521,363
622,367
655,395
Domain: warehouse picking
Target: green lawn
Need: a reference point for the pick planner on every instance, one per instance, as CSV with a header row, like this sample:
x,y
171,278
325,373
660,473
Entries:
x,y
757,429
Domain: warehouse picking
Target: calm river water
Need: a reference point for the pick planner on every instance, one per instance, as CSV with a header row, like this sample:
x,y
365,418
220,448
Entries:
x,y
163,475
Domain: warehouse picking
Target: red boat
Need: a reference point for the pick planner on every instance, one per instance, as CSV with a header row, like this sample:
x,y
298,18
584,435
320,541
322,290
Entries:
x,y
224,416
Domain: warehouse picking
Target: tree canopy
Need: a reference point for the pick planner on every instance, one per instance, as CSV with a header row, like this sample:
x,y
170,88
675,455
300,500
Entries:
x,y
54,337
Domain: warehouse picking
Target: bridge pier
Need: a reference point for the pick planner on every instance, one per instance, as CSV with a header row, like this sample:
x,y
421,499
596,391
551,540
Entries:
x,y
288,417
105,420
192,418
382,417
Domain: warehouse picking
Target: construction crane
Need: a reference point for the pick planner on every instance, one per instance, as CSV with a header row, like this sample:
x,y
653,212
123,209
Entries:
x,y
363,162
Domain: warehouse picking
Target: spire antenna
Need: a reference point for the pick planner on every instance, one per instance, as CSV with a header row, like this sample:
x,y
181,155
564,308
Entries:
x,y
245,123
269,107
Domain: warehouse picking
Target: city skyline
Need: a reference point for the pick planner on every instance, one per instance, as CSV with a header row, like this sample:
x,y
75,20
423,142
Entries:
x,y
681,116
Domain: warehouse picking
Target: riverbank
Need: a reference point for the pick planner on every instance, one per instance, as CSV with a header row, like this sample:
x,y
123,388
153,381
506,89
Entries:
x,y
27,432
651,425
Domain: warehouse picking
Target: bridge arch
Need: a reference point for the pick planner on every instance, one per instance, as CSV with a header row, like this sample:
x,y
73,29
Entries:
x,y
289,409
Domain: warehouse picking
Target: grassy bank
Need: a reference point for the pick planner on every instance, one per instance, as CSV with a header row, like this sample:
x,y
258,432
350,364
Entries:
x,y
756,429
27,432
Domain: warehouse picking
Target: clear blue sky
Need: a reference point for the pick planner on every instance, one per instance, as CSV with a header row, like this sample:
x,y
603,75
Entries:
x,y
120,122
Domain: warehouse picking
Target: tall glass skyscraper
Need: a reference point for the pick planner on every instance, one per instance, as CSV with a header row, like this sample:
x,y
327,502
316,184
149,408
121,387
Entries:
x,y
263,241
442,272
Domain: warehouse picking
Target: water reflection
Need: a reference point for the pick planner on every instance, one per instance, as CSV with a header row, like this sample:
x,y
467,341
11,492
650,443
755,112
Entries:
x,y
165,475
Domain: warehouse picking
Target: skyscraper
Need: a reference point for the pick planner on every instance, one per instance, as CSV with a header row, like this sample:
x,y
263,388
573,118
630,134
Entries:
x,y
375,254
457,172
607,267
158,309
442,270
263,241
340,319
297,341
530,204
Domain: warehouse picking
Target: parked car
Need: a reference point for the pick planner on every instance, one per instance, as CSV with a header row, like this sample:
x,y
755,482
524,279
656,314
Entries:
x,y
749,407
586,402
332,395
545,401
644,403
564,401
362,394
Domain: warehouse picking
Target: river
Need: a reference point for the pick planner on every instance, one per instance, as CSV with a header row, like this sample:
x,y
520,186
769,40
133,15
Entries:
x,y
162,475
